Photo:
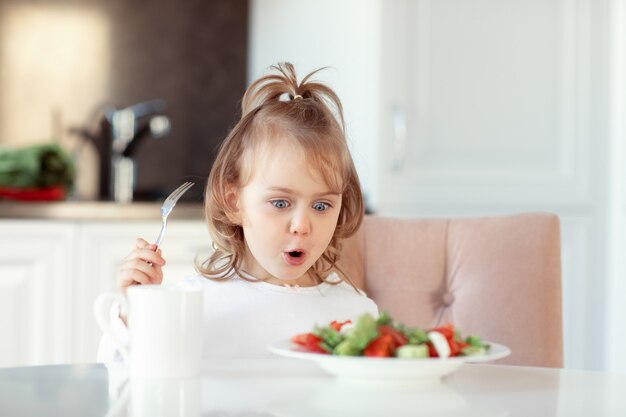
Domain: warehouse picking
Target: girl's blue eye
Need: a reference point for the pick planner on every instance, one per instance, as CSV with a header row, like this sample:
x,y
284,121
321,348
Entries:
x,y
280,203
321,206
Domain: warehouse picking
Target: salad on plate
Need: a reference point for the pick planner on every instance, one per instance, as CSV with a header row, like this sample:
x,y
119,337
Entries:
x,y
382,337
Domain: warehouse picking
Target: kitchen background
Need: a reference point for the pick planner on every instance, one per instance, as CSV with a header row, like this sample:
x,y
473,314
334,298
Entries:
x,y
454,108
64,62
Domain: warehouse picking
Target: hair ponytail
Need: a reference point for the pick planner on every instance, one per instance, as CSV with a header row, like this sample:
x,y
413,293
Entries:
x,y
284,86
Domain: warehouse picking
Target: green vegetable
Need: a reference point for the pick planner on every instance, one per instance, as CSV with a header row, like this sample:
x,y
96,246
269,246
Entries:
x,y
384,319
358,337
473,350
474,341
347,348
330,337
412,351
35,166
416,336
476,346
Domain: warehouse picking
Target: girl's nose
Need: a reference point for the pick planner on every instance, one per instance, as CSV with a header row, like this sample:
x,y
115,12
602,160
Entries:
x,y
300,224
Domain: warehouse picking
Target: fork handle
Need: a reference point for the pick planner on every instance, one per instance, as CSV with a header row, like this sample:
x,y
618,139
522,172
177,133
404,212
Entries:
x,y
160,238
161,234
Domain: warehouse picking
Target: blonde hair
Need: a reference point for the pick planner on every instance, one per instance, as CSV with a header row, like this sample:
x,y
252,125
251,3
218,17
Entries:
x,y
303,114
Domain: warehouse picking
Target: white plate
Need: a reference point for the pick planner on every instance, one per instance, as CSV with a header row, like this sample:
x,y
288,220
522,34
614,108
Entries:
x,y
389,369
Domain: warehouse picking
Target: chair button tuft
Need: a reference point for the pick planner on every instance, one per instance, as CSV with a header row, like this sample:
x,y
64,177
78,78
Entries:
x,y
448,299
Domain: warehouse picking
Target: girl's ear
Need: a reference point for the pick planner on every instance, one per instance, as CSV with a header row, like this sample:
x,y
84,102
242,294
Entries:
x,y
232,200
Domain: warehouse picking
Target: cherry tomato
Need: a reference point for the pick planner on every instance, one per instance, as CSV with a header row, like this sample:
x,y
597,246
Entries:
x,y
432,352
382,346
399,339
309,341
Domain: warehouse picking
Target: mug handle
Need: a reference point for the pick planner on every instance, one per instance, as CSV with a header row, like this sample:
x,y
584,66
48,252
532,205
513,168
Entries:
x,y
102,310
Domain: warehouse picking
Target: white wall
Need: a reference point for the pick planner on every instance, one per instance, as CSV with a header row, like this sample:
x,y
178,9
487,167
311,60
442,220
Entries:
x,y
343,35
616,340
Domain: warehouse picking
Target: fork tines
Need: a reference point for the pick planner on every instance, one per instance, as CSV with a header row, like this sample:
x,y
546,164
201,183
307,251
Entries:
x,y
177,193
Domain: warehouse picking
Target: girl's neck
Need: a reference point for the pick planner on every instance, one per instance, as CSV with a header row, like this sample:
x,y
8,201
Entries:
x,y
304,281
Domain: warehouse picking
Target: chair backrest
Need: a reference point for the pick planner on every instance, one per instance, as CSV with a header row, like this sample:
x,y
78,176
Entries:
x,y
497,277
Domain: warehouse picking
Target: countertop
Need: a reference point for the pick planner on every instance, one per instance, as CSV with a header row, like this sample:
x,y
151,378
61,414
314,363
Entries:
x,y
97,210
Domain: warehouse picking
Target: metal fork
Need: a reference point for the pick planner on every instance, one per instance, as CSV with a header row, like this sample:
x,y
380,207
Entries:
x,y
167,207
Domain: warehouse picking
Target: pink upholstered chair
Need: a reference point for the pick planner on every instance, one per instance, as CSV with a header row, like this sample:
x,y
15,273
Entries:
x,y
497,277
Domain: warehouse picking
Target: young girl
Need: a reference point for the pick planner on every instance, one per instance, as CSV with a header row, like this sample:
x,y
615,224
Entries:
x,y
282,194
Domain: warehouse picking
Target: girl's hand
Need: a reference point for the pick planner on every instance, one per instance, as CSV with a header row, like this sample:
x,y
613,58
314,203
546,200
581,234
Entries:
x,y
135,268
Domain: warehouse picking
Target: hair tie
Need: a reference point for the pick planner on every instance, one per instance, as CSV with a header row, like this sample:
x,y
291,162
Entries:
x,y
297,97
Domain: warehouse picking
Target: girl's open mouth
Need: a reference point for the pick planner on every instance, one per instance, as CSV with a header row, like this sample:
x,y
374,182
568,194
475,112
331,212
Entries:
x,y
294,257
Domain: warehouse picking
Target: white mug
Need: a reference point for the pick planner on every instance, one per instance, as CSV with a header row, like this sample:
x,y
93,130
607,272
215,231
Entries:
x,y
165,329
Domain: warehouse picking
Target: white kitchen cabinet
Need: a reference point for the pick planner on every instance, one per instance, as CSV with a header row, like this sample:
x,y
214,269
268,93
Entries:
x,y
490,103
52,271
36,290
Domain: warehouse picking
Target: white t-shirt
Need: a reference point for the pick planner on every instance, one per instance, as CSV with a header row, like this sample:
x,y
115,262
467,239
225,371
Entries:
x,y
241,318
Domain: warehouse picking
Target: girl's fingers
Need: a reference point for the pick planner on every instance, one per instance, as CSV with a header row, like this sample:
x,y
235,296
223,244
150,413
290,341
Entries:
x,y
147,255
139,275
159,275
142,266
141,243
132,277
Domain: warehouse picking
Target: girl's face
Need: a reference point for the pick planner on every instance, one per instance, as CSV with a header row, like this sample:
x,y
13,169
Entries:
x,y
288,215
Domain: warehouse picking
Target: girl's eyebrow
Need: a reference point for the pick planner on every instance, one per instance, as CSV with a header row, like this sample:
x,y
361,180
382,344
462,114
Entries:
x,y
294,192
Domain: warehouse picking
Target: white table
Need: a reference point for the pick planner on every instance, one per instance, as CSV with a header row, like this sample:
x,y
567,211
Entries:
x,y
289,388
